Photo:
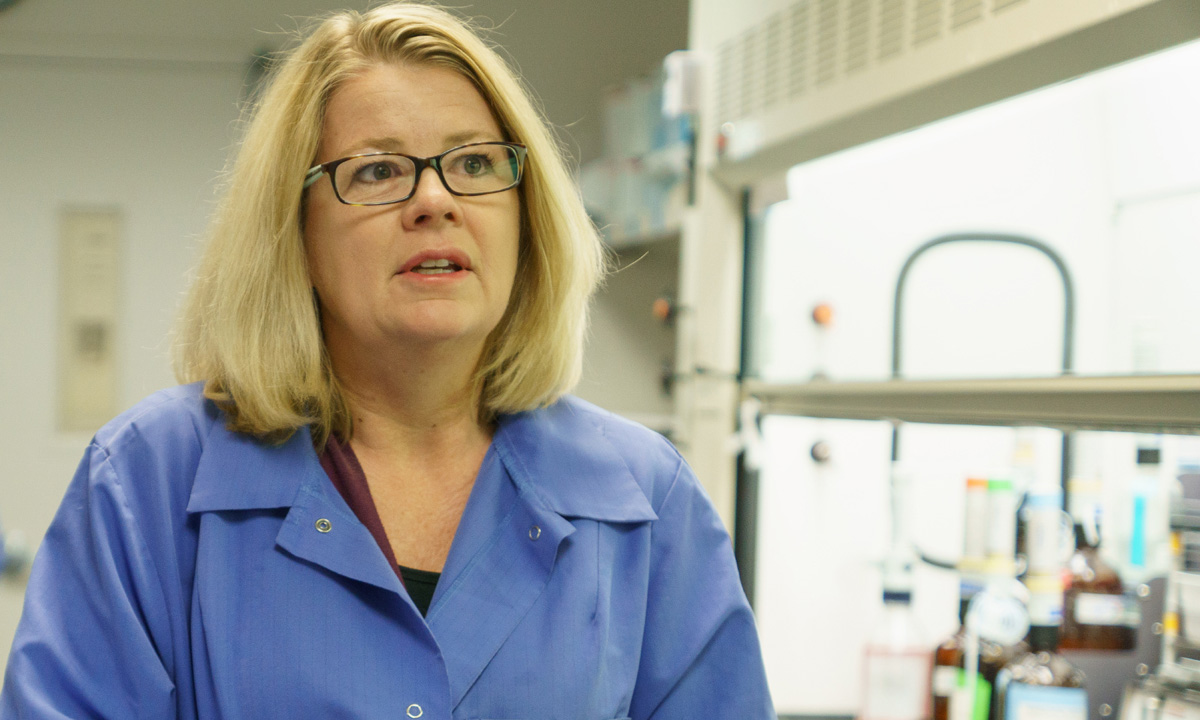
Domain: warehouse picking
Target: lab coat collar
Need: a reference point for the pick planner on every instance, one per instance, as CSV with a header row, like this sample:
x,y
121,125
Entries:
x,y
561,457
240,472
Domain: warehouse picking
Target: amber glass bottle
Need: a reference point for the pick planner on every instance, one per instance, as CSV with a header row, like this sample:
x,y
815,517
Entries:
x,y
950,682
1096,613
1041,682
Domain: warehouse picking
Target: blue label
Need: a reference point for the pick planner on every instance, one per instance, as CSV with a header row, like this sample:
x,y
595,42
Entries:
x,y
1137,541
1031,702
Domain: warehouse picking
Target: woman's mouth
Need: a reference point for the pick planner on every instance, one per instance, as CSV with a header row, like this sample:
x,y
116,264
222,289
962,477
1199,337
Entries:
x,y
439,266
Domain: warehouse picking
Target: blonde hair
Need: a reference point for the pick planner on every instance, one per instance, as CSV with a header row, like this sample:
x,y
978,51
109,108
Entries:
x,y
250,327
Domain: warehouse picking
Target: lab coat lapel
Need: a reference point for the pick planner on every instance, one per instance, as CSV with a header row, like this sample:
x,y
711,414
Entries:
x,y
544,467
240,473
323,530
501,561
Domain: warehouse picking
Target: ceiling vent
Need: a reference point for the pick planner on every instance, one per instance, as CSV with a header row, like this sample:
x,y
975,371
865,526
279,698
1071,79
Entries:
x,y
816,43
796,80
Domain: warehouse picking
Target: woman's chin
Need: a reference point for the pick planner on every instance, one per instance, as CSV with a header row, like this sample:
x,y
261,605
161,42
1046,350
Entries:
x,y
440,331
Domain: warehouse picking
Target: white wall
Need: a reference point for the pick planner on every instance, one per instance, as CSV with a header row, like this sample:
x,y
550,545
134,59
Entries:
x,y
148,141
629,349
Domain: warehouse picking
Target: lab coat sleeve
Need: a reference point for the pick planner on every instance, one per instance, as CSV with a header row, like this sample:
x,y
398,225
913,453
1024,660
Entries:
x,y
91,639
701,656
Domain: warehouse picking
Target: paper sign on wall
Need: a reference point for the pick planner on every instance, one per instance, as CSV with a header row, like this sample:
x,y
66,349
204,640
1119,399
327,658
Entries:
x,y
88,273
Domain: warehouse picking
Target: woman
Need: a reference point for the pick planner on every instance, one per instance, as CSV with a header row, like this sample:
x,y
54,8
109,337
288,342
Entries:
x,y
375,498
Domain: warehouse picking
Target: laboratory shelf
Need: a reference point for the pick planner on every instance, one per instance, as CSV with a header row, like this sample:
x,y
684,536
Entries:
x,y
1185,647
1185,675
1131,403
1185,515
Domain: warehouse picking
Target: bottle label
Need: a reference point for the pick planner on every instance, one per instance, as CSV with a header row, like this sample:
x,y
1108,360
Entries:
x,y
1045,599
897,686
953,684
1029,702
1096,609
945,679
1045,535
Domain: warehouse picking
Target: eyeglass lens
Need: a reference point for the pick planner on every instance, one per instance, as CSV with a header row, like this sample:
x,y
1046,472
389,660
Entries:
x,y
472,170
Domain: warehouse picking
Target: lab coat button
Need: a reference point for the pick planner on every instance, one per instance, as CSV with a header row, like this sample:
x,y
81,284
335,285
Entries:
x,y
415,711
324,525
535,532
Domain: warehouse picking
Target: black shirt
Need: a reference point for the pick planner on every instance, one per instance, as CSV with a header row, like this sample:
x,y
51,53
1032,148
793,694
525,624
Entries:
x,y
420,585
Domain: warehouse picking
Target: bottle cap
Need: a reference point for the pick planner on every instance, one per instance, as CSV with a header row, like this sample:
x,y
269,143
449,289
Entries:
x,y
1149,456
969,587
1043,496
1081,539
897,596
1043,638
977,483
1000,484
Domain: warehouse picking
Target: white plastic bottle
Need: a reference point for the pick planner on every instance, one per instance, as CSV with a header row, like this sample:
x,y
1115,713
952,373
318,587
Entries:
x,y
899,663
1149,516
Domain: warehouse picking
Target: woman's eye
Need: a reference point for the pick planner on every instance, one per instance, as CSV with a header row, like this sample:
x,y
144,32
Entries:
x,y
377,172
474,164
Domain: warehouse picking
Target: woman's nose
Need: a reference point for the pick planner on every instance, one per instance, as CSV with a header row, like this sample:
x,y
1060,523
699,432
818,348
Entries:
x,y
431,201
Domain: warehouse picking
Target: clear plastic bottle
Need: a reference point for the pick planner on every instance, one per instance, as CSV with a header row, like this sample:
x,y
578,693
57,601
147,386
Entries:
x,y
1002,524
1047,543
1041,683
898,664
975,529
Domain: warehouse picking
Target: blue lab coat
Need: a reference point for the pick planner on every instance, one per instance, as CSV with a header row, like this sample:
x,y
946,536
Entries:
x,y
193,572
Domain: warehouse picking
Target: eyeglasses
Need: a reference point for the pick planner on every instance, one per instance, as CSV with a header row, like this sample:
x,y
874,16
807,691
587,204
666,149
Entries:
x,y
383,178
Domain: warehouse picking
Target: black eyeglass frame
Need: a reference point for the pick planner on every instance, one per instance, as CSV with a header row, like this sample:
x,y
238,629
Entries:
x,y
316,171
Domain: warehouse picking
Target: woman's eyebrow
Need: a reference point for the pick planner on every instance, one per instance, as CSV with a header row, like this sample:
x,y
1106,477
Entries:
x,y
386,144
391,144
469,136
